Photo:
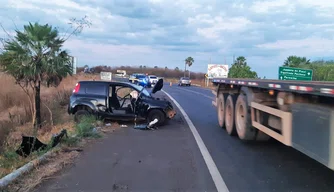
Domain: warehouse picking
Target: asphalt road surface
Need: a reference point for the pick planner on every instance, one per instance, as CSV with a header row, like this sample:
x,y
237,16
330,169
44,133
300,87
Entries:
x,y
170,159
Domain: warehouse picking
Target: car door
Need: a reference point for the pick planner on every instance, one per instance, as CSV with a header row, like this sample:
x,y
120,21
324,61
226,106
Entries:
x,y
119,108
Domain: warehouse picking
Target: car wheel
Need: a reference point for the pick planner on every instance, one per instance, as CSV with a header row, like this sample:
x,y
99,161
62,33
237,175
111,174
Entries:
x,y
80,114
156,114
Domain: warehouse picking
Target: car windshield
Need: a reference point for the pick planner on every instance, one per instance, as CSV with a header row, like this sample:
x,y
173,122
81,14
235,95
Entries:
x,y
139,88
153,77
185,78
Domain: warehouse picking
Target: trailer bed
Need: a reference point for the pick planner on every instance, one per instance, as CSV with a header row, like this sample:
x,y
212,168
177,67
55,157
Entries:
x,y
304,87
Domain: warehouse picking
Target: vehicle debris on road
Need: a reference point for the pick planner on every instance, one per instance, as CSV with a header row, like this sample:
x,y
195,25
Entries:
x,y
150,125
28,145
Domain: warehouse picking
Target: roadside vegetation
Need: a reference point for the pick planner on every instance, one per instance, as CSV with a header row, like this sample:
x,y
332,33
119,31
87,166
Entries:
x,y
16,118
36,82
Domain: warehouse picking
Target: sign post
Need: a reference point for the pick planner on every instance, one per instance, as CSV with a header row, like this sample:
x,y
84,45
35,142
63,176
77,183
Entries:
x,y
106,76
297,74
217,71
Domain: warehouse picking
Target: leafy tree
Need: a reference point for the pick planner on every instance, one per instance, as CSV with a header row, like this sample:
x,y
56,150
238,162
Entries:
x,y
188,61
35,57
240,69
155,67
177,69
322,70
295,61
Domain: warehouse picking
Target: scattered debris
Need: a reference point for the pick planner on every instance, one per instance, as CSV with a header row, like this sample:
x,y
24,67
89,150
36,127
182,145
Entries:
x,y
150,125
140,126
108,124
118,186
28,145
124,126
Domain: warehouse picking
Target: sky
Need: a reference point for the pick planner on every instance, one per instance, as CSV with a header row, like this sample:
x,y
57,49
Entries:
x,y
163,33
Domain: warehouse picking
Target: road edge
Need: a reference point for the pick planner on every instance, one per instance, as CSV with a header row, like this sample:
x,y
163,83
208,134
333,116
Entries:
x,y
213,170
11,177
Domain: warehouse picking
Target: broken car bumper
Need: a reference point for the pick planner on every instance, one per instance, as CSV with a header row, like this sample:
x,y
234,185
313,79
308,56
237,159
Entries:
x,y
171,113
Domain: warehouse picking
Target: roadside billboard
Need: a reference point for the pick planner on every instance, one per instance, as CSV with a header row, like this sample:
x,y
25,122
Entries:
x,y
106,76
217,71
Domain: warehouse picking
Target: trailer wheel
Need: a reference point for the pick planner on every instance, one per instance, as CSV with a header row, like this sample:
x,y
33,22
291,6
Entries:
x,y
229,115
221,109
243,120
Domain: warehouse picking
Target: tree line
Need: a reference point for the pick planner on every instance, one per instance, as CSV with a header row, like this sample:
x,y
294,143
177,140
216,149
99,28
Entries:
x,y
322,70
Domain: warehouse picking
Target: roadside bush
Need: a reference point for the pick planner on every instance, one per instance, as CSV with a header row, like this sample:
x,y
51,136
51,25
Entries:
x,y
86,127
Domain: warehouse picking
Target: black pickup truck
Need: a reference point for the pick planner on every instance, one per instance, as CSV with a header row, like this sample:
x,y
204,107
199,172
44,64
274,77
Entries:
x,y
115,101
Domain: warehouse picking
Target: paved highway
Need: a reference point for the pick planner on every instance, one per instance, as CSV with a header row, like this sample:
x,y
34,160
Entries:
x,y
172,159
264,166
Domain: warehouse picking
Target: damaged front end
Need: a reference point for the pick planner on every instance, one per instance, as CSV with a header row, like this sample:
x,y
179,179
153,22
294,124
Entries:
x,y
170,112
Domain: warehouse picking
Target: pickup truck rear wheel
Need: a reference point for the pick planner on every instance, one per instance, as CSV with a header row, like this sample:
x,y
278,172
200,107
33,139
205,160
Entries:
x,y
80,114
156,114
229,115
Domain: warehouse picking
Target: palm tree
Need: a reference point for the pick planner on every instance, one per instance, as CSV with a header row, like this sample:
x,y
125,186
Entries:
x,y
240,61
295,61
189,61
34,57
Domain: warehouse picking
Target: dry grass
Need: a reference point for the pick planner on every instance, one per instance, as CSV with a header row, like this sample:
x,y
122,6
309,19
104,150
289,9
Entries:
x,y
15,116
57,161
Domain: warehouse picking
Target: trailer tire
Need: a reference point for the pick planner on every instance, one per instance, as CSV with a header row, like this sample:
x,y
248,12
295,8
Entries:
x,y
243,119
229,115
221,109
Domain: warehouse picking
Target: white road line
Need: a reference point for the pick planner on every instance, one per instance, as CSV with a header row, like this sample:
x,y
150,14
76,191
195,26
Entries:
x,y
196,93
216,177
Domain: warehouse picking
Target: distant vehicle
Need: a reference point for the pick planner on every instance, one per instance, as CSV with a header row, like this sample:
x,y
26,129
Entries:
x,y
140,79
184,81
121,73
119,101
153,79
88,70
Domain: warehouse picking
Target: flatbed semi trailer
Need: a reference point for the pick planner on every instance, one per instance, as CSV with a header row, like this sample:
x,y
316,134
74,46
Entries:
x,y
299,114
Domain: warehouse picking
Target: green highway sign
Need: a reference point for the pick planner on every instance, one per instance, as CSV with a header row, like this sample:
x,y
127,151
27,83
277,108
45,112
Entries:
x,y
289,73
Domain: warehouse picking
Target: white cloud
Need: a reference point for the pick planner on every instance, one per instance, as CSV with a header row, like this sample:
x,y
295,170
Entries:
x,y
313,44
272,6
148,32
218,24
